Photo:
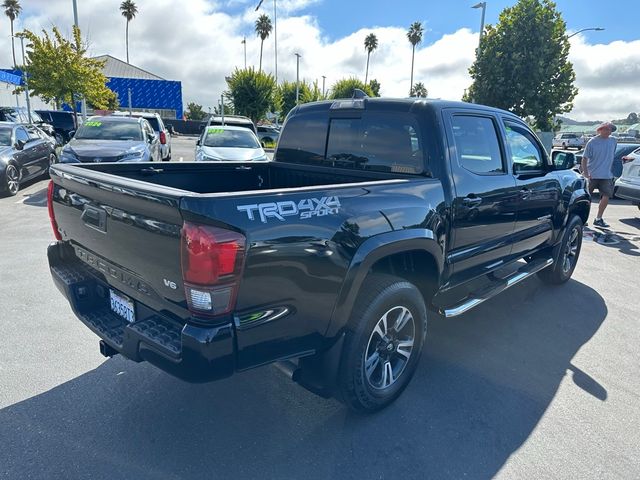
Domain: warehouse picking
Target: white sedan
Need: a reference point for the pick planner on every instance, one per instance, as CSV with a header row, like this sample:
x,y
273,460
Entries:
x,y
232,144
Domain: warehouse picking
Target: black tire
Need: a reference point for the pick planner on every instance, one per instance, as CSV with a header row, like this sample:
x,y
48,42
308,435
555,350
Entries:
x,y
392,357
565,255
11,180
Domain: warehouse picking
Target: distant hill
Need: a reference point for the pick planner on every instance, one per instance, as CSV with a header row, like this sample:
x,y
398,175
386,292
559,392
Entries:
x,y
569,121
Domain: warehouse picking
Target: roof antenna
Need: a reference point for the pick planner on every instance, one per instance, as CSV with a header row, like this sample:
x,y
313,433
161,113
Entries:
x,y
357,93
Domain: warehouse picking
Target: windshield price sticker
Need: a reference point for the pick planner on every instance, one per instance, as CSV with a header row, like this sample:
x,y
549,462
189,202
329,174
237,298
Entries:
x,y
215,130
93,124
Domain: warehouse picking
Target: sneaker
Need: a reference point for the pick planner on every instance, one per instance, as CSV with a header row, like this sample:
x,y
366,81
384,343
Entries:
x,y
599,222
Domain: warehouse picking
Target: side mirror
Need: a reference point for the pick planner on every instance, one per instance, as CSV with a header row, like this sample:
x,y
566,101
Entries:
x,y
20,144
71,134
198,143
563,160
151,138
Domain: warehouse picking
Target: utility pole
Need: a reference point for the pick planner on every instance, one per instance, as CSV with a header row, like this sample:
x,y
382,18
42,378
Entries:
x,y
244,42
297,77
323,80
130,108
222,108
26,80
482,5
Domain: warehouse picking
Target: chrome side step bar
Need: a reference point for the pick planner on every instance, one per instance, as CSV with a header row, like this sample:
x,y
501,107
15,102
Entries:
x,y
476,298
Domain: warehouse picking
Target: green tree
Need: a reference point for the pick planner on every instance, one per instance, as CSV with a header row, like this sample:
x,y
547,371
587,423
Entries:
x,y
414,35
419,90
263,30
252,92
12,9
370,44
195,112
60,71
345,87
374,85
523,66
285,98
129,10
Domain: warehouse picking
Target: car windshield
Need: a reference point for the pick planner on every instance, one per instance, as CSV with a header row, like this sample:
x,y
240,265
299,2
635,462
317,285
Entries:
x,y
99,130
5,136
219,137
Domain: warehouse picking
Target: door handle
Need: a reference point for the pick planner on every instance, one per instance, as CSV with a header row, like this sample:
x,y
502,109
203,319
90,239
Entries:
x,y
94,218
472,200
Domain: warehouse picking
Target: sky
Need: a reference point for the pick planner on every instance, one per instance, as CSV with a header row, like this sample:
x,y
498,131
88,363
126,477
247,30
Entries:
x,y
200,42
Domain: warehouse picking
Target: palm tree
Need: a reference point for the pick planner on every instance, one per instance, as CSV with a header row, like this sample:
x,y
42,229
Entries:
x,y
129,11
419,90
12,9
415,37
370,44
263,29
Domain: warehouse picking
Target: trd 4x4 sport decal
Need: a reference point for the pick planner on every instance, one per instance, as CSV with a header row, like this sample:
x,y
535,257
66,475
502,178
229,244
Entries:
x,y
306,208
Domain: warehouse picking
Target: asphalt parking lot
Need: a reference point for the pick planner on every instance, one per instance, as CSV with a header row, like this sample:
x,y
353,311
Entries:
x,y
540,382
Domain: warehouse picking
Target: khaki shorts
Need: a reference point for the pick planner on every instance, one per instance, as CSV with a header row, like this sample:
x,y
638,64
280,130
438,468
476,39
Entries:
x,y
603,185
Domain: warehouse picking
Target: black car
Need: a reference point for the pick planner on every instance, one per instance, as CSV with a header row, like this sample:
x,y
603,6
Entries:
x,y
20,115
25,153
64,123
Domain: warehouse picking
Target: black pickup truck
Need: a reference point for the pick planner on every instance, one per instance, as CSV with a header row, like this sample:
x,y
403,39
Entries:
x,y
374,215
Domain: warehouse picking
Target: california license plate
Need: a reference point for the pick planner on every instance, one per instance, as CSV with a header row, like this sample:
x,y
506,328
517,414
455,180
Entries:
x,y
122,306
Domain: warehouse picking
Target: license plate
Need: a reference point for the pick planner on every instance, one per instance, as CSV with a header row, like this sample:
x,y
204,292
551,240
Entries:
x,y
122,306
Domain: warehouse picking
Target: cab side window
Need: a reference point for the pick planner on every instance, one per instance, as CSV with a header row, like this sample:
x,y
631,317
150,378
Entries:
x,y
526,153
477,145
21,134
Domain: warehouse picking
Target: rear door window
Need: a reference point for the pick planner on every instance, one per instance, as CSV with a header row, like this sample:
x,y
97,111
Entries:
x,y
304,138
21,134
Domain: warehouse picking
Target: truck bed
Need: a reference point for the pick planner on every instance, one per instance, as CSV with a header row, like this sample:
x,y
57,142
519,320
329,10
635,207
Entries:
x,y
201,177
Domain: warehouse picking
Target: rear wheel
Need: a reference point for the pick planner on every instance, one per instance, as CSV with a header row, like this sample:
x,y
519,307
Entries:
x,y
565,255
12,180
383,343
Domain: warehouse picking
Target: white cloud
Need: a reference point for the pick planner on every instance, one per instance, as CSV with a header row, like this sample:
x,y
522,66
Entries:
x,y
198,43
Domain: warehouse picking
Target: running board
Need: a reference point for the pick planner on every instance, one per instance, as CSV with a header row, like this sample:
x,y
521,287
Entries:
x,y
476,298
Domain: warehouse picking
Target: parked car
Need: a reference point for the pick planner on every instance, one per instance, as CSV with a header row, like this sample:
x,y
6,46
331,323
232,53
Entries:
x,y
327,260
112,139
628,185
626,138
218,143
622,150
64,123
268,135
20,115
232,121
164,135
568,140
25,154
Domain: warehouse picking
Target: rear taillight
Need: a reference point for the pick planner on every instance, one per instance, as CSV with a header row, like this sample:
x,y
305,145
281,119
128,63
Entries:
x,y
163,138
52,216
212,260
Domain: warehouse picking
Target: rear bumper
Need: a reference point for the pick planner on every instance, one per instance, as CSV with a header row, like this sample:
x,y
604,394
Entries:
x,y
190,352
628,191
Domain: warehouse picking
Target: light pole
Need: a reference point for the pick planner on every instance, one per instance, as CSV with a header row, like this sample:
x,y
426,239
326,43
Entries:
x,y
26,78
323,80
297,77
483,6
83,105
595,29
244,42
275,34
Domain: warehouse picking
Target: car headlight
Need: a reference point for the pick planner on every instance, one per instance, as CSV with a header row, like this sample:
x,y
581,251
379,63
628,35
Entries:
x,y
261,158
68,156
134,155
201,157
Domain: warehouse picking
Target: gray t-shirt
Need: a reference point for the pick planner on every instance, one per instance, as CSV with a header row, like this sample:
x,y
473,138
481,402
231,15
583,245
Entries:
x,y
599,154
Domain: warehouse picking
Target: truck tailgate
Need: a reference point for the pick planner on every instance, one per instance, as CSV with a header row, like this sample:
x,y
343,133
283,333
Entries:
x,y
128,231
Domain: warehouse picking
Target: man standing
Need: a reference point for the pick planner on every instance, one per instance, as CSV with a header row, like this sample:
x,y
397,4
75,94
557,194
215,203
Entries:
x,y
596,167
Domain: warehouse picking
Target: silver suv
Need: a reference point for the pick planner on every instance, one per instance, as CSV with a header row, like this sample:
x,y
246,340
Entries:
x,y
158,126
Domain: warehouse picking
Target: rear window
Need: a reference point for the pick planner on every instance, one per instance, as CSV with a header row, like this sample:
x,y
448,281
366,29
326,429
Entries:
x,y
154,123
62,119
379,142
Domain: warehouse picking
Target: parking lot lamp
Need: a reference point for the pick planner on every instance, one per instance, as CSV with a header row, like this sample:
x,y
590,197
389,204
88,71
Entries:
x,y
244,42
595,29
323,80
297,77
26,78
483,6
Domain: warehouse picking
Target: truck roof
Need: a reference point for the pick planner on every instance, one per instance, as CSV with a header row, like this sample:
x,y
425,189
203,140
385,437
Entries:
x,y
398,105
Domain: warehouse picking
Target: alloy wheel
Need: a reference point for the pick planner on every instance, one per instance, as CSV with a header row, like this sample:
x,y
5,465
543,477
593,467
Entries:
x,y
570,250
389,348
13,179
